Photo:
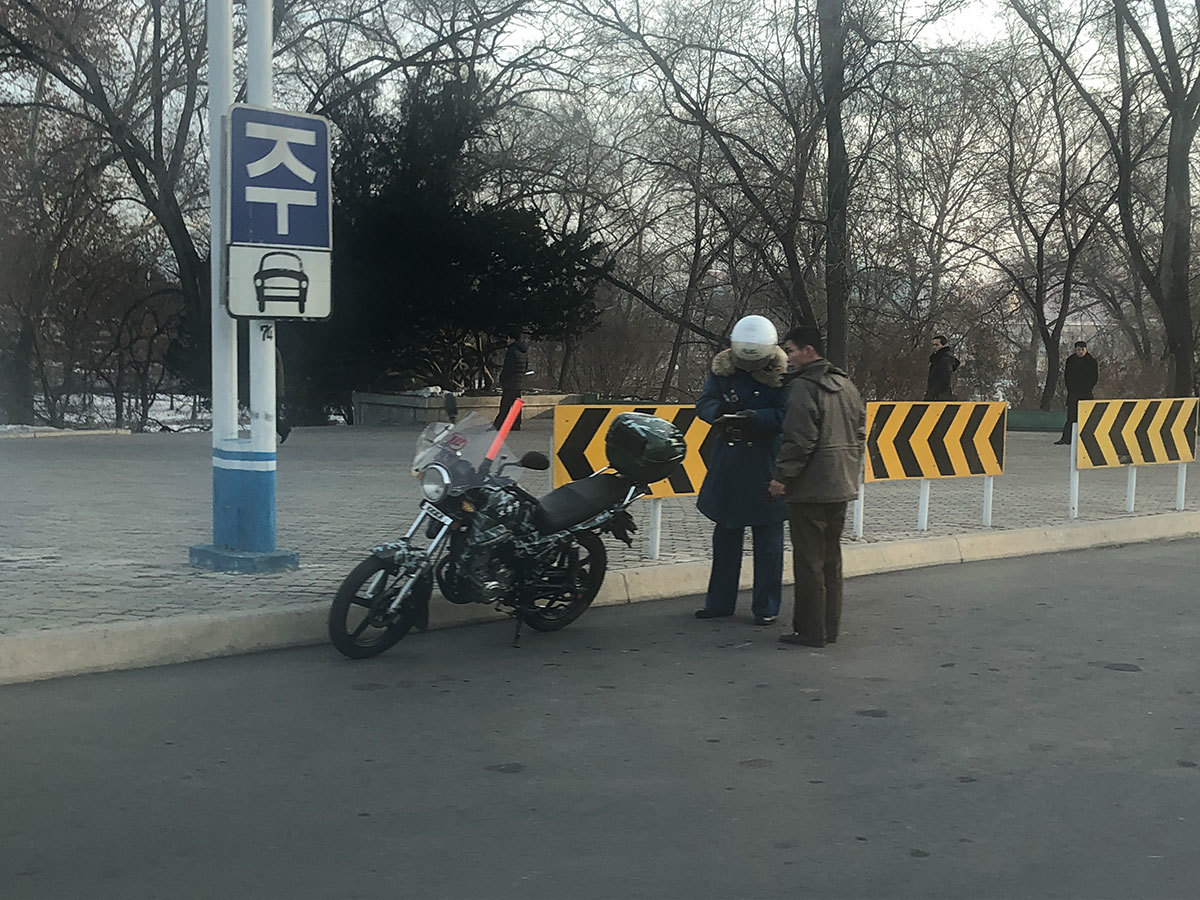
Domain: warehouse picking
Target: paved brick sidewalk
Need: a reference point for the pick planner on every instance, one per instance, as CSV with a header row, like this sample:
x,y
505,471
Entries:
x,y
95,528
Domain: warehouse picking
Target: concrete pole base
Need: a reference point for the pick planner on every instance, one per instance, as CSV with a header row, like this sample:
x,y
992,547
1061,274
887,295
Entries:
x,y
222,559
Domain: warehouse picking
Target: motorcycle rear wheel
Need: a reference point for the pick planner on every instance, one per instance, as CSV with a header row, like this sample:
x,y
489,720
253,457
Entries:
x,y
358,626
553,614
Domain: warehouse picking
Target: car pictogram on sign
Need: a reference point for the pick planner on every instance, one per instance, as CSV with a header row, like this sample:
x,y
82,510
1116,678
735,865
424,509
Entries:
x,y
276,283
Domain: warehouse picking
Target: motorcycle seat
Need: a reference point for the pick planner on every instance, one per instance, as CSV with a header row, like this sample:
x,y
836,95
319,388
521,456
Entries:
x,y
579,501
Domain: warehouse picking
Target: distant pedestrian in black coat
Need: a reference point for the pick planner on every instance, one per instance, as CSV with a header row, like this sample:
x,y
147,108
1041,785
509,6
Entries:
x,y
282,428
512,374
1080,373
942,364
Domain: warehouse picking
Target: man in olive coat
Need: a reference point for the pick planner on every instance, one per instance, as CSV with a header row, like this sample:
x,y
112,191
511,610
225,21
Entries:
x,y
817,472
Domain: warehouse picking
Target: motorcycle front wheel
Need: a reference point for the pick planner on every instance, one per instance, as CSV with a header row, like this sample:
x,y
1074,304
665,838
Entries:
x,y
553,613
359,624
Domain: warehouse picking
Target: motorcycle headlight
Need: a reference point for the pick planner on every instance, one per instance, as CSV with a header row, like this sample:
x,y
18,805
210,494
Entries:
x,y
435,482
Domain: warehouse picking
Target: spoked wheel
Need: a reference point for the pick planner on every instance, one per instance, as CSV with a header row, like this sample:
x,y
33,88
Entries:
x,y
359,624
558,611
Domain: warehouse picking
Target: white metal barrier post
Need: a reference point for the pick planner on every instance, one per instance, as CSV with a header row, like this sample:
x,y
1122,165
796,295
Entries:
x,y
923,507
1073,500
860,503
1180,486
656,506
988,485
1130,488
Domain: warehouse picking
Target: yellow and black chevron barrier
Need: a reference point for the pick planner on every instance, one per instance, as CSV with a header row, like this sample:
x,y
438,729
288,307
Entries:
x,y
579,444
934,440
1136,432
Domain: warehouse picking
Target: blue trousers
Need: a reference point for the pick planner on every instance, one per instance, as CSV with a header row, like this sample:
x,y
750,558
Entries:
x,y
727,568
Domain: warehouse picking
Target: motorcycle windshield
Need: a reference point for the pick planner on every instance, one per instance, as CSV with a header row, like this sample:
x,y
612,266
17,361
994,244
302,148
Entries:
x,y
460,448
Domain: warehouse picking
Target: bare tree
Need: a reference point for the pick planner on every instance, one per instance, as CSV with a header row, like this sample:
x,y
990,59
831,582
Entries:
x,y
921,220
1106,270
58,220
832,30
132,72
1054,191
763,118
1156,91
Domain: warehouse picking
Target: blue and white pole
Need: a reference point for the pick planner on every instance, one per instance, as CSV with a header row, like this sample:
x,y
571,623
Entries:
x,y
244,498
243,470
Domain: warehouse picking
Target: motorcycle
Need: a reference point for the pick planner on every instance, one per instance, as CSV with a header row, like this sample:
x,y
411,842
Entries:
x,y
486,540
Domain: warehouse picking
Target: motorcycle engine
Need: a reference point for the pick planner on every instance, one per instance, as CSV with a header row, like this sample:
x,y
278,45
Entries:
x,y
480,573
484,578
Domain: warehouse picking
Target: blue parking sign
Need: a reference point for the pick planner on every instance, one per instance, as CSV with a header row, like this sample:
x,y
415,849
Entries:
x,y
278,178
280,229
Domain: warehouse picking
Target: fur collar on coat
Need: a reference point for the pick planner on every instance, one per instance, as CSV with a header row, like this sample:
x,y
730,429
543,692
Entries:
x,y
770,374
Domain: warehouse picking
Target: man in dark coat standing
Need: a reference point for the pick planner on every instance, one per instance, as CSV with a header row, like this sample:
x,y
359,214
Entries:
x,y
1080,373
512,374
744,399
942,365
817,473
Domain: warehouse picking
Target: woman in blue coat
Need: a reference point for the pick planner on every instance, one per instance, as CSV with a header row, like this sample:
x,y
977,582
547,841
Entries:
x,y
744,399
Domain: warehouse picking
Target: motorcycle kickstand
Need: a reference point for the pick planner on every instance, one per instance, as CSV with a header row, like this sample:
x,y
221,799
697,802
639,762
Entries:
x,y
516,641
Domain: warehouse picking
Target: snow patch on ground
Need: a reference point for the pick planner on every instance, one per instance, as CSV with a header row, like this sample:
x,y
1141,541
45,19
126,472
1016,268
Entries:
x,y
102,415
26,429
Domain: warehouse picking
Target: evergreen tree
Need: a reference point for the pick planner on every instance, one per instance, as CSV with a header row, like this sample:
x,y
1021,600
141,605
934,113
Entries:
x,y
427,273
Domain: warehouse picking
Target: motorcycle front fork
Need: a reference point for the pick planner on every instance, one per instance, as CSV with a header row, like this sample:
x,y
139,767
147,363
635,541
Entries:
x,y
428,555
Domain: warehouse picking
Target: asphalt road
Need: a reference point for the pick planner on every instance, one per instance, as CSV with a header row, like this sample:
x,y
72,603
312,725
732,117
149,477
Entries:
x,y
1023,728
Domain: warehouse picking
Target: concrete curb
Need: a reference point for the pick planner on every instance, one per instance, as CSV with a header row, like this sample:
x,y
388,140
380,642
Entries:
x,y
52,653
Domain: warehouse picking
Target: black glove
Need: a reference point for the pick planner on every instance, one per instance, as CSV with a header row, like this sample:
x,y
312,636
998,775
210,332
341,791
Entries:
x,y
737,426
725,408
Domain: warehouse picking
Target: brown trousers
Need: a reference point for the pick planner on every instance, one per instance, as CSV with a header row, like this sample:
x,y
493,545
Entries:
x,y
817,566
